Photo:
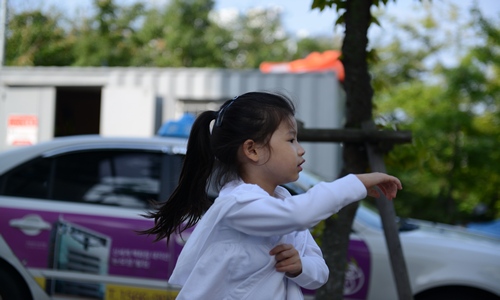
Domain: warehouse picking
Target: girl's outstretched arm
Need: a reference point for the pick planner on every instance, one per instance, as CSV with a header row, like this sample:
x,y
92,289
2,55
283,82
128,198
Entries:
x,y
389,185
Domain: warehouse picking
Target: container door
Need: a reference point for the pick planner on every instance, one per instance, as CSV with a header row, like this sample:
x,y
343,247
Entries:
x,y
27,115
128,111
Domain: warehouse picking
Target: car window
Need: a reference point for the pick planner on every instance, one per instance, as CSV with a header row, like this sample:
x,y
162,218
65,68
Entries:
x,y
128,179
369,216
118,178
28,180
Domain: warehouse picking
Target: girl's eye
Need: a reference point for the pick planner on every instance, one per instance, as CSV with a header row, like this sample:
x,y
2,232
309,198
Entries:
x,y
292,140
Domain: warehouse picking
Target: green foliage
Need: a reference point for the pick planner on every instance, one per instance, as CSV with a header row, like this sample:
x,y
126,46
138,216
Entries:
x,y
186,35
36,39
106,39
180,34
307,45
257,36
454,115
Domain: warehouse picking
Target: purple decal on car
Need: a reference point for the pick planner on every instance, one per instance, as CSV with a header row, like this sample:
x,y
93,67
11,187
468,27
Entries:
x,y
357,273
94,244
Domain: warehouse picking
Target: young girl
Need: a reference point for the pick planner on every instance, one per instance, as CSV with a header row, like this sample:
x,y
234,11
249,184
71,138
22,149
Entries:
x,y
253,241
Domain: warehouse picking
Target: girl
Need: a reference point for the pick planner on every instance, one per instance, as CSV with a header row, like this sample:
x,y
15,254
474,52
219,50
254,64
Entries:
x,y
253,242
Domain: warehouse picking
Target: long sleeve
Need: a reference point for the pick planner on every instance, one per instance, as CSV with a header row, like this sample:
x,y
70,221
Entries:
x,y
261,215
231,243
314,269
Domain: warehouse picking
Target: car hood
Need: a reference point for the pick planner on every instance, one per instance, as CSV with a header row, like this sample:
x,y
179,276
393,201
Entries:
x,y
491,228
451,232
423,230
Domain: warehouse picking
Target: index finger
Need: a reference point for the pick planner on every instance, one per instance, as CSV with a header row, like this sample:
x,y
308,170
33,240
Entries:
x,y
280,248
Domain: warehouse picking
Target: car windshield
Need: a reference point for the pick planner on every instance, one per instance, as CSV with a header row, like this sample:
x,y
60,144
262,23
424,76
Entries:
x,y
368,216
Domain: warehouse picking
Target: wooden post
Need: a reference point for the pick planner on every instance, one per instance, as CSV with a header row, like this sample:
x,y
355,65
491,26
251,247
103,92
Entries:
x,y
391,231
383,138
377,143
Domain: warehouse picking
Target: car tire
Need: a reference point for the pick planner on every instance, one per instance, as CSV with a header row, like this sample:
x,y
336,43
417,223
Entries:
x,y
11,288
456,293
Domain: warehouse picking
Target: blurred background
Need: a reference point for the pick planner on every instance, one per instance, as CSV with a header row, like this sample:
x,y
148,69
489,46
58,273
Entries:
x,y
434,66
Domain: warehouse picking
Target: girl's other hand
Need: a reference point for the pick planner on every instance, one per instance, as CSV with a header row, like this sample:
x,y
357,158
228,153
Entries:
x,y
389,185
287,259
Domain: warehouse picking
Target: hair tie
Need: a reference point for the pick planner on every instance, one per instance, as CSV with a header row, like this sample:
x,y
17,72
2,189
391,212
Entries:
x,y
220,114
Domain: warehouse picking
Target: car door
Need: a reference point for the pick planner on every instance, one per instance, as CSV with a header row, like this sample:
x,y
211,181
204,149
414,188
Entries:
x,y
71,218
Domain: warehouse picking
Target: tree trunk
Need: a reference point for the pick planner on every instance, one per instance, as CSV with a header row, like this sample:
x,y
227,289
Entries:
x,y
358,109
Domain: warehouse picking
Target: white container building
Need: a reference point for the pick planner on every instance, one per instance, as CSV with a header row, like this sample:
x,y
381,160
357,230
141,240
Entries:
x,y
40,103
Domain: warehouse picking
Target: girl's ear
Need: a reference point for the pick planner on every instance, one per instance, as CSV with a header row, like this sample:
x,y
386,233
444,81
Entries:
x,y
250,150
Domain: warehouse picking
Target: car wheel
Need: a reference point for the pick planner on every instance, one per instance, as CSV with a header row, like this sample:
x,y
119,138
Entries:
x,y
11,288
456,293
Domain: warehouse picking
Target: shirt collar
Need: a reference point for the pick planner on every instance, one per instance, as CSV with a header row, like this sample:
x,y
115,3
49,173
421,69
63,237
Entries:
x,y
280,192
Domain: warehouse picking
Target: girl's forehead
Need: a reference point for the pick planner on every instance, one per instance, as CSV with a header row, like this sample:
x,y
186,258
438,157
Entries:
x,y
289,124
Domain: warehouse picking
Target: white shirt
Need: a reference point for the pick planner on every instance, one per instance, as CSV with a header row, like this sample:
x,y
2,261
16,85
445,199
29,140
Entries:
x,y
227,255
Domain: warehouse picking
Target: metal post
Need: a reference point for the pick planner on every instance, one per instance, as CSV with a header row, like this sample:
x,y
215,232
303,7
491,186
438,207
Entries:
x,y
391,232
3,29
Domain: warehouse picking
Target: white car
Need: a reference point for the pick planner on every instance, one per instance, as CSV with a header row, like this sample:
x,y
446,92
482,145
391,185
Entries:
x,y
70,208
443,261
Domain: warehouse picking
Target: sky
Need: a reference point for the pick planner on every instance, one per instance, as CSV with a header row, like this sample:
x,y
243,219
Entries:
x,y
298,17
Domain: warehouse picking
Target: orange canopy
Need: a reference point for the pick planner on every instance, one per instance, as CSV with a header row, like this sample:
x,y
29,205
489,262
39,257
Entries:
x,y
314,62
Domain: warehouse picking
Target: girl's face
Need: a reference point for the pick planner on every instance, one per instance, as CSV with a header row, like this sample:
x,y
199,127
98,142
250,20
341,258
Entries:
x,y
286,156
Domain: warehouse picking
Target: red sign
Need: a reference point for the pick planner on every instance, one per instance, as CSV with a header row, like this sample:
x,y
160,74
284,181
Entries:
x,y
22,130
23,120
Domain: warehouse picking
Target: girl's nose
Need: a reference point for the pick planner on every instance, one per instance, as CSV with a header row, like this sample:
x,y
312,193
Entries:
x,y
301,151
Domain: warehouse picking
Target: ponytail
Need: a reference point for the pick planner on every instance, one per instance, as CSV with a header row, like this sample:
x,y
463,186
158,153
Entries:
x,y
189,201
253,115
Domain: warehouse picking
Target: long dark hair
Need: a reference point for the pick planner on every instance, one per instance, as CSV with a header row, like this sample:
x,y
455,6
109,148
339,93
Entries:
x,y
255,116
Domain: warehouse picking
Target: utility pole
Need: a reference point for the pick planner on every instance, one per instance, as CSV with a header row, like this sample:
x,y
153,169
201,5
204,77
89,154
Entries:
x,y
3,30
